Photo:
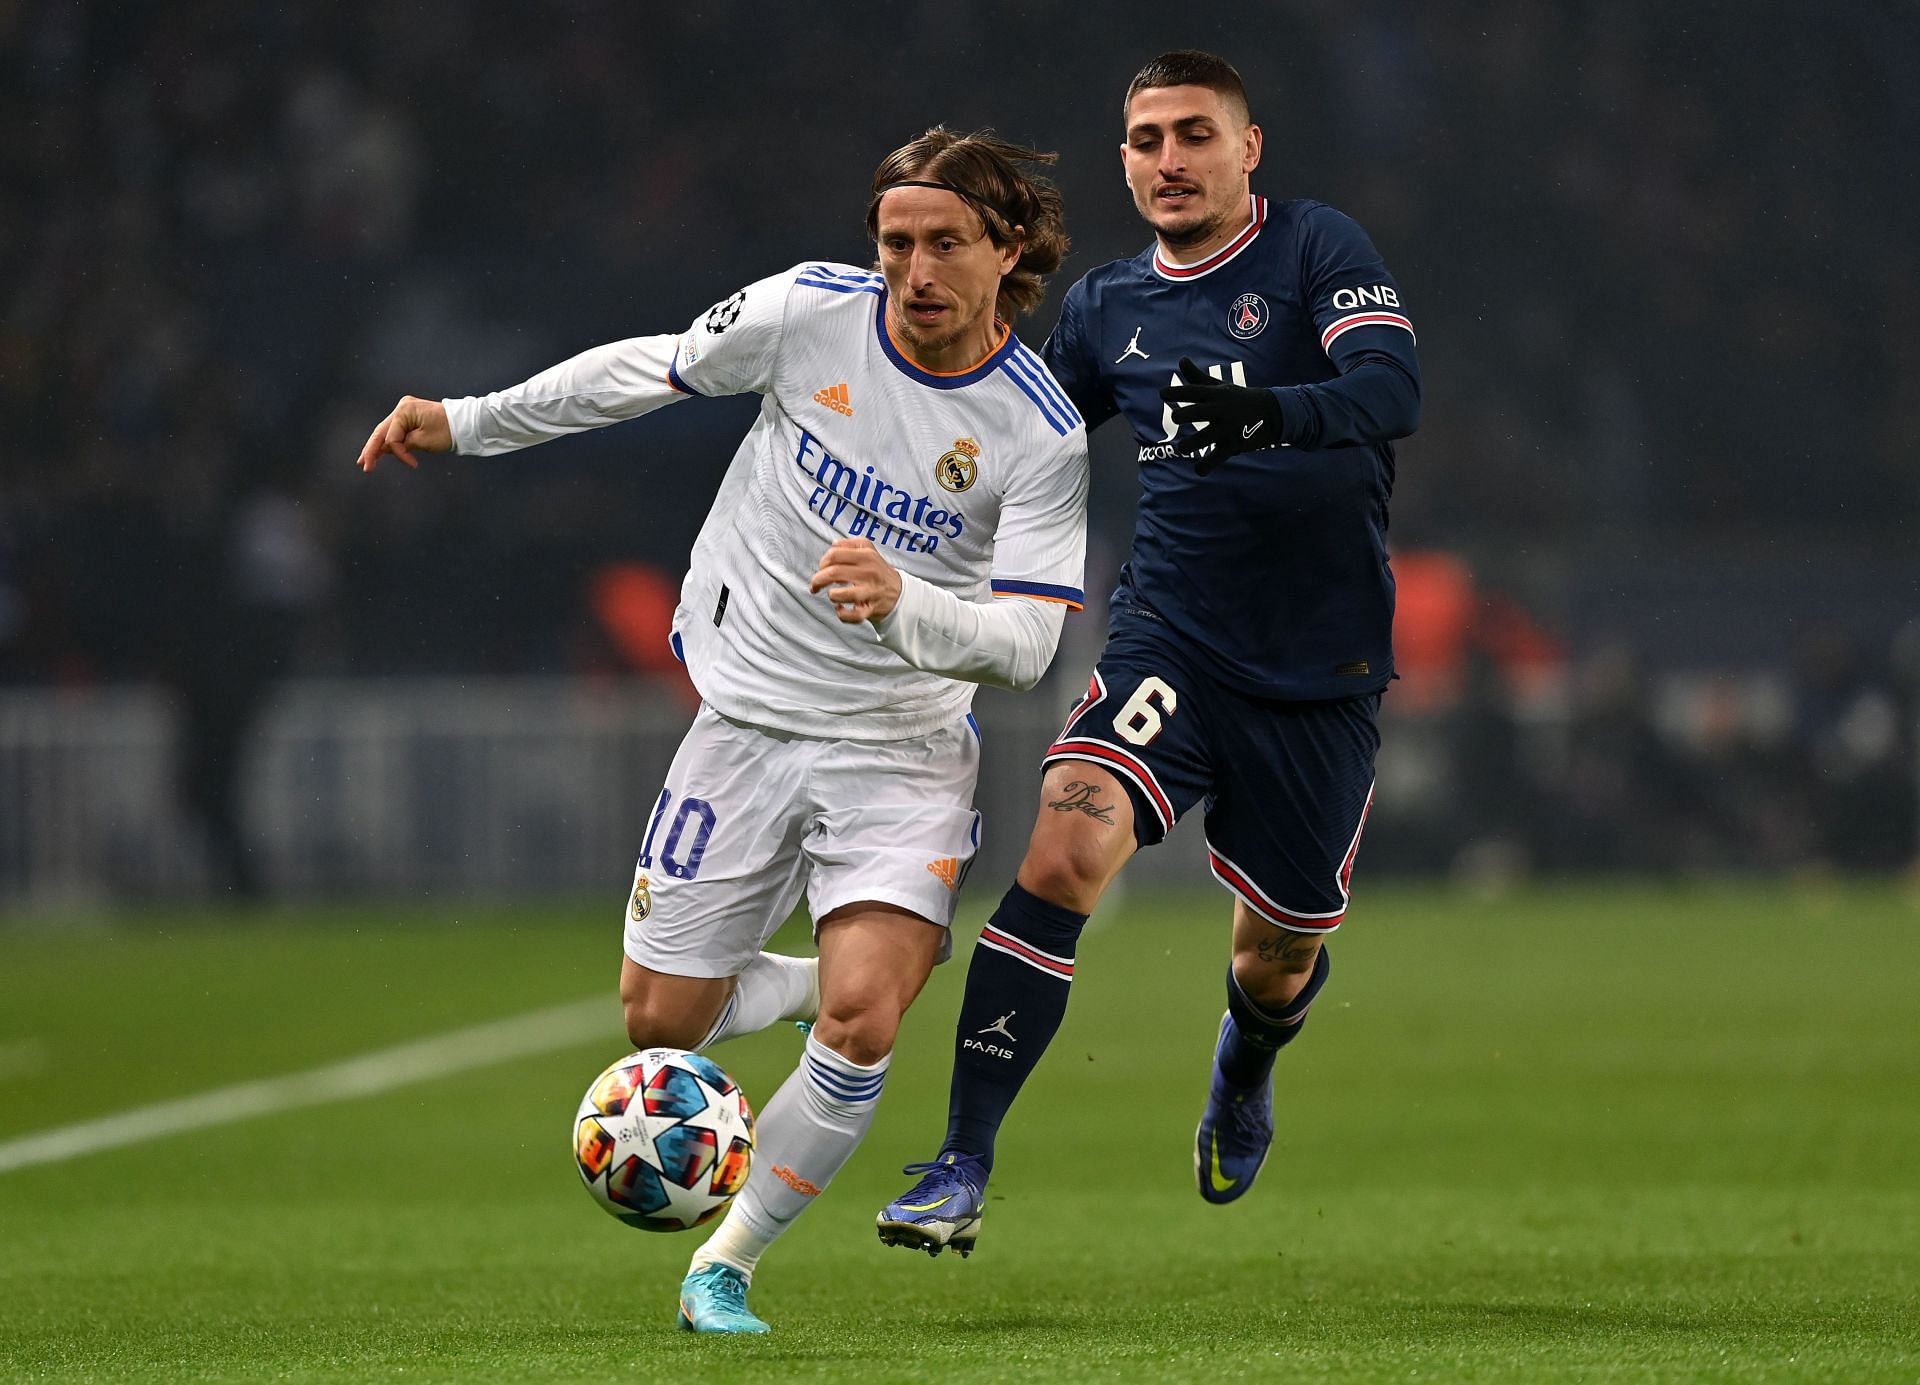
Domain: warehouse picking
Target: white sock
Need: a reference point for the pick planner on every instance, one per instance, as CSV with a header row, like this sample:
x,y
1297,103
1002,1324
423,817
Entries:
x,y
809,1129
773,987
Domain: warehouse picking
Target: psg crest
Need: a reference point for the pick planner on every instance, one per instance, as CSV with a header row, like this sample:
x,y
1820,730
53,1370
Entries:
x,y
1248,316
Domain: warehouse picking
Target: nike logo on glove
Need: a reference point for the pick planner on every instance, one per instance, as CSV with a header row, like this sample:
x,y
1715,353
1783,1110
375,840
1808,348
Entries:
x,y
1226,419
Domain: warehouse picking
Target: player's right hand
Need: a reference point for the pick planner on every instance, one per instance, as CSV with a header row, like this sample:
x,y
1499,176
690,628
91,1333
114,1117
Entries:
x,y
1228,419
861,584
414,423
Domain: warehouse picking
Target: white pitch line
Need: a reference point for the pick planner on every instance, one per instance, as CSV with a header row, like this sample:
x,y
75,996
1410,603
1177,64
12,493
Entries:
x,y
542,1031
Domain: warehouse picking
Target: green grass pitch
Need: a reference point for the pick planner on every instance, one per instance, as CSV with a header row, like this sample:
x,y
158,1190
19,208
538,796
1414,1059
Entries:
x,y
1593,1134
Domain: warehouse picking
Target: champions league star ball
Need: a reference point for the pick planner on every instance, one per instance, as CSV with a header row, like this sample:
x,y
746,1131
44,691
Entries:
x,y
664,1139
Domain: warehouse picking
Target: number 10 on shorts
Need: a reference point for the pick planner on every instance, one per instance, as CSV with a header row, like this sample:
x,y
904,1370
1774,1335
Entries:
x,y
686,840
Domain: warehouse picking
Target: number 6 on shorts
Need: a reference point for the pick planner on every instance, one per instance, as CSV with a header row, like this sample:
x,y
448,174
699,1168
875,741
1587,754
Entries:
x,y
1138,721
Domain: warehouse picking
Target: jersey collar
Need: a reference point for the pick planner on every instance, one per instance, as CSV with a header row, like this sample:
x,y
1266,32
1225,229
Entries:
x,y
942,380
1179,273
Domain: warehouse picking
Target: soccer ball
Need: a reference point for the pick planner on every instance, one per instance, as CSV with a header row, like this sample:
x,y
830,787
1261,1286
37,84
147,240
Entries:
x,y
664,1139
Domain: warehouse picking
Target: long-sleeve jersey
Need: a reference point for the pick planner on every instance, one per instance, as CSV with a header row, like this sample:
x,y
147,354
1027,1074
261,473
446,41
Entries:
x,y
1274,565
973,482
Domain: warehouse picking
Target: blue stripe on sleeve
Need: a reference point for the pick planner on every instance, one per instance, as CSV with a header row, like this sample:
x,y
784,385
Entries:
x,y
1039,402
841,286
1043,377
673,374
1072,596
821,271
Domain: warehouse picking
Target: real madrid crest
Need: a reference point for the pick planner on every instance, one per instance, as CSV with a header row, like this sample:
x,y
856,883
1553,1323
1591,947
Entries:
x,y
642,901
1248,316
956,470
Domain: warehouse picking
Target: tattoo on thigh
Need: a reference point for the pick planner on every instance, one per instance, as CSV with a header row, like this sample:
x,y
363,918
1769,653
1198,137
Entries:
x,y
1284,948
1082,797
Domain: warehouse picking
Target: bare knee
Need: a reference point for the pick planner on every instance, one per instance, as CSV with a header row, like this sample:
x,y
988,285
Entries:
x,y
1272,964
1072,859
669,1011
860,1030
1068,869
652,1026
1083,836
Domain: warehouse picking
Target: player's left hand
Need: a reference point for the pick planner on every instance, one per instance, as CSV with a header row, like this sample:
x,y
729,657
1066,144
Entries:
x,y
1230,419
860,583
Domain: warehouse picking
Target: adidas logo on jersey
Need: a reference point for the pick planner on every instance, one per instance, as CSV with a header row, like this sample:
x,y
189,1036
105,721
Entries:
x,y
835,397
948,869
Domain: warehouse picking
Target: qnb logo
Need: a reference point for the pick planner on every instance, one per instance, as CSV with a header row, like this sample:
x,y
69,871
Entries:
x,y
1234,372
1378,296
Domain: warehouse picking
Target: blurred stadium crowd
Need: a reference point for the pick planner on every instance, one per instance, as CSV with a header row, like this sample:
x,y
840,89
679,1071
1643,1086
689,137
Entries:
x,y
1662,263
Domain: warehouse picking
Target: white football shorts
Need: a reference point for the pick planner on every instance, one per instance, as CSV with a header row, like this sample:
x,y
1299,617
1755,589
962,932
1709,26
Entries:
x,y
749,817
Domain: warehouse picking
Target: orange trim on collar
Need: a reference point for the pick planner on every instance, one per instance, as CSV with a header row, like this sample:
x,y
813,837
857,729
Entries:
x,y
886,321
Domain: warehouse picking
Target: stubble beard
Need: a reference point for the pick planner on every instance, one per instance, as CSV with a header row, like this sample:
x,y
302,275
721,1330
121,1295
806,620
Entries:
x,y
927,343
1193,233
1208,222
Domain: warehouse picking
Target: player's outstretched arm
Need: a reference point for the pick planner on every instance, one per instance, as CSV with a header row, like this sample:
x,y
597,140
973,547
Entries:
x,y
414,425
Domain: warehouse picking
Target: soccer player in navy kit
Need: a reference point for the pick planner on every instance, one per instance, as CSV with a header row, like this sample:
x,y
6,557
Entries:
x,y
1263,357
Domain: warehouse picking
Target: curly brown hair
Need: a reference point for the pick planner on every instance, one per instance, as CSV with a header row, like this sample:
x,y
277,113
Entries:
x,y
1017,208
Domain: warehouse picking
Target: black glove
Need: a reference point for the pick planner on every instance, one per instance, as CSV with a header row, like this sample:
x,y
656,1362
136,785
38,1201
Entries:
x,y
1237,419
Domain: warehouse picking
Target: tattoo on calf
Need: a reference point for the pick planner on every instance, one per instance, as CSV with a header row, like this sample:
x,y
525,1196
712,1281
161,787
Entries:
x,y
1081,799
1286,949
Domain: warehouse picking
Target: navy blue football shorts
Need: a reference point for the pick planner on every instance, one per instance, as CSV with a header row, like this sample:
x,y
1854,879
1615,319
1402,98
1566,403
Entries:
x,y
1287,785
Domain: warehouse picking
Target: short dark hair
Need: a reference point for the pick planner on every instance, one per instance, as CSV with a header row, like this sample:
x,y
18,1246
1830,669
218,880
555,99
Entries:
x,y
1014,206
1189,67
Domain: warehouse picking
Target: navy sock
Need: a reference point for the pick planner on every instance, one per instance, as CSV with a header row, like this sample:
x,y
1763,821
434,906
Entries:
x,y
1016,996
1254,1037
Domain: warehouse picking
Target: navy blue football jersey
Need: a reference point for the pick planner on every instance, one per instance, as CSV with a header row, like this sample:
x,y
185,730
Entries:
x,y
1274,564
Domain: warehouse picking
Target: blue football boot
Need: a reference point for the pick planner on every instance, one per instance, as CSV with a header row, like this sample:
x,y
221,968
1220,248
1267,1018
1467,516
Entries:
x,y
715,1300
1235,1133
943,1209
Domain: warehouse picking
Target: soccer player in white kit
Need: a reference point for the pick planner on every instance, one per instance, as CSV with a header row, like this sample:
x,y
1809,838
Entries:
x,y
905,518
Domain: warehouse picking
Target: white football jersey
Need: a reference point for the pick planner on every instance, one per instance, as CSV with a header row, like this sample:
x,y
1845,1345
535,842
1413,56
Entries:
x,y
975,481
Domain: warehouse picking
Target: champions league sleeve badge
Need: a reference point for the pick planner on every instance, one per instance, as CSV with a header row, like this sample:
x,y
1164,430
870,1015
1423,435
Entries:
x,y
1248,316
724,314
